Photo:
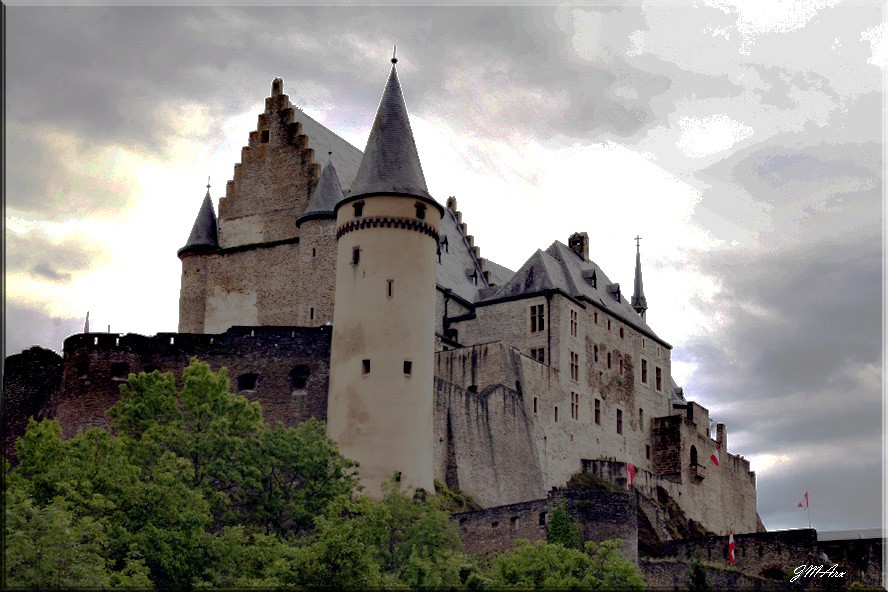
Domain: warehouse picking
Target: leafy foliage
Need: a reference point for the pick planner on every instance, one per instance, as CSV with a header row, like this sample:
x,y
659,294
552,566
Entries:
x,y
191,489
543,565
563,529
698,577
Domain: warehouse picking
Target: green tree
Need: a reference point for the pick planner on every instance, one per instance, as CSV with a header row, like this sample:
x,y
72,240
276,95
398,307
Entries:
x,y
698,576
543,565
563,529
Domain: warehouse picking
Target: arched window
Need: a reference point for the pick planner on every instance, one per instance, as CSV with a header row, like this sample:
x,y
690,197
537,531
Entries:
x,y
693,456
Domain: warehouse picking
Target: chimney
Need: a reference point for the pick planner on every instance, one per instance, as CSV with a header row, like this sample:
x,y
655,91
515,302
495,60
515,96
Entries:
x,y
579,244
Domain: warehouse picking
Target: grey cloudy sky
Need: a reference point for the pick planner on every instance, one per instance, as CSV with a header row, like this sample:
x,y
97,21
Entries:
x,y
742,141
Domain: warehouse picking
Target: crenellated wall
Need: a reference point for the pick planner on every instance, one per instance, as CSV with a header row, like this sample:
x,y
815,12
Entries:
x,y
97,363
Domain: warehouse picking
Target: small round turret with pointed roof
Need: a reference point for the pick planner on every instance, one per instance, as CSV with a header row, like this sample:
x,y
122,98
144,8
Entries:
x,y
204,235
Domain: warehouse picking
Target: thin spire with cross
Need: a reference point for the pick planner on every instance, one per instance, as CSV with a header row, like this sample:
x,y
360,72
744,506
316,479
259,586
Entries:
x,y
208,184
637,244
639,302
394,51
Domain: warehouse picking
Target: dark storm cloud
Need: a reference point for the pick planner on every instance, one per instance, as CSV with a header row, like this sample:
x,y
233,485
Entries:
x,y
35,254
796,371
25,327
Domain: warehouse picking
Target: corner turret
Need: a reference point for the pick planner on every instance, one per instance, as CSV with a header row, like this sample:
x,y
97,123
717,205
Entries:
x,y
326,195
204,233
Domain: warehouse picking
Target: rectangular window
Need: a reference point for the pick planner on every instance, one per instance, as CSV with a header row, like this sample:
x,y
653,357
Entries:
x,y
641,419
390,287
408,367
311,313
619,421
538,354
608,360
537,318
359,208
595,317
658,376
556,413
356,255
575,406
621,365
647,451
595,349
644,371
265,136
573,323
365,366
575,366
608,324
534,405
314,252
598,411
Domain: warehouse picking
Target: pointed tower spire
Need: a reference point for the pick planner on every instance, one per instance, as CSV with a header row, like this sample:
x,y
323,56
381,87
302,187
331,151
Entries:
x,y
325,196
204,234
391,164
639,302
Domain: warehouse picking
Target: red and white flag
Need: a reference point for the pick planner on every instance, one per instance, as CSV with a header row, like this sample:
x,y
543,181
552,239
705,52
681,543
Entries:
x,y
803,504
630,474
731,547
714,457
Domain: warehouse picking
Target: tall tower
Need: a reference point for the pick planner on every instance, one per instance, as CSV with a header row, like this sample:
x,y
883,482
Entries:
x,y
380,402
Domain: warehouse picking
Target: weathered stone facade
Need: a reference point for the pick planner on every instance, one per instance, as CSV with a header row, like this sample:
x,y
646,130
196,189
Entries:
x,y
534,375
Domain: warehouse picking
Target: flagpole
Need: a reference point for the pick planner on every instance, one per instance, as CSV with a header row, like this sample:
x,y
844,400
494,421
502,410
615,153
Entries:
x,y
808,506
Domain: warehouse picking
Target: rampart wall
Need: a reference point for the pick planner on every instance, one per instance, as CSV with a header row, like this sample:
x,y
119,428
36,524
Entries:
x,y
290,364
600,515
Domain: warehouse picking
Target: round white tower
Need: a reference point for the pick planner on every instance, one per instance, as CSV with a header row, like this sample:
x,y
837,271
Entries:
x,y
381,362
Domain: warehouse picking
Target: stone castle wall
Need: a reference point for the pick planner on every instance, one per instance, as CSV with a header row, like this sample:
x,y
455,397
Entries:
x,y
601,516
31,381
283,358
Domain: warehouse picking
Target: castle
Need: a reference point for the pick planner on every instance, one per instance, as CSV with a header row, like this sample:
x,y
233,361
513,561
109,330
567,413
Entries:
x,y
333,285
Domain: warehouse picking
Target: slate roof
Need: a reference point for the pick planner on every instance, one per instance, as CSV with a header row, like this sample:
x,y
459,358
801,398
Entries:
x,y
326,195
345,157
457,264
391,162
204,233
560,268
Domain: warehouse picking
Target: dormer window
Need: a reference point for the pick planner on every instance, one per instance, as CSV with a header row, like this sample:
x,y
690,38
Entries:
x,y
445,245
420,211
591,278
614,291
359,208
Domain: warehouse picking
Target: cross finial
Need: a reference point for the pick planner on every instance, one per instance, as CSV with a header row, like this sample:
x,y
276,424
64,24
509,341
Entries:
x,y
637,244
208,183
394,51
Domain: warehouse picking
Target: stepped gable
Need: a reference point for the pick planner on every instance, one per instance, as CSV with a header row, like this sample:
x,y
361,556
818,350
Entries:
x,y
204,233
326,195
461,268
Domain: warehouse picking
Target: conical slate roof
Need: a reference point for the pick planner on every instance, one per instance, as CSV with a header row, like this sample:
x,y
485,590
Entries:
x,y
639,302
325,196
204,234
391,163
